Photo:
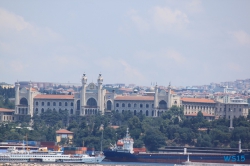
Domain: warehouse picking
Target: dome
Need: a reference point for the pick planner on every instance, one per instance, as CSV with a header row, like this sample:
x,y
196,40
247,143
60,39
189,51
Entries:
x,y
151,89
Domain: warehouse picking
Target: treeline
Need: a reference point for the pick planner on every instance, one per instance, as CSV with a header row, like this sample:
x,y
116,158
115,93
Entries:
x,y
5,94
170,129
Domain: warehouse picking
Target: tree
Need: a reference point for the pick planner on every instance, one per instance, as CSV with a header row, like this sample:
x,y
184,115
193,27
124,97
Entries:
x,y
154,139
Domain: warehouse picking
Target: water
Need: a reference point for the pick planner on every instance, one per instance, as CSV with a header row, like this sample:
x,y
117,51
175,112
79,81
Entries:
x,y
135,163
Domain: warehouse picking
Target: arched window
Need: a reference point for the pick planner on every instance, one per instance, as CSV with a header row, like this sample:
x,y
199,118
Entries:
x,y
129,105
66,104
109,105
134,112
91,102
117,104
71,104
140,111
78,105
54,103
141,105
42,103
23,101
147,113
48,103
54,109
158,113
153,113
152,105
71,111
135,105
117,111
42,110
123,105
240,109
36,103
162,104
60,103
37,110
122,111
175,102
147,105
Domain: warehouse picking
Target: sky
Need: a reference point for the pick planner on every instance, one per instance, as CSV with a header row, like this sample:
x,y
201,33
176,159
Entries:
x,y
191,42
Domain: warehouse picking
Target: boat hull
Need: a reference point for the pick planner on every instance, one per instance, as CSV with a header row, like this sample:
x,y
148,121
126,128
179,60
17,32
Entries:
x,y
169,158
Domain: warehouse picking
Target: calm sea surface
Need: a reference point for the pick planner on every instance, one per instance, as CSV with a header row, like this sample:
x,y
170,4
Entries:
x,y
135,163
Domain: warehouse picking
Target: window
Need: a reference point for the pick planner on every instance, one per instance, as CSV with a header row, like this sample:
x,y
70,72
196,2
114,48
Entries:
x,y
71,111
152,105
42,110
141,105
66,104
37,110
147,105
123,105
147,113
117,104
117,111
54,103
135,105
71,104
134,112
42,103
48,103
153,113
129,105
122,111
36,103
60,103
141,112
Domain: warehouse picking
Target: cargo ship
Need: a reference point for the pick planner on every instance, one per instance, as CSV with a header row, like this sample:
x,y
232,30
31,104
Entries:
x,y
123,151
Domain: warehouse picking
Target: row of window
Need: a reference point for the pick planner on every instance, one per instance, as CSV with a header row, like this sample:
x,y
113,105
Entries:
x,y
153,113
8,118
54,103
135,105
42,110
198,107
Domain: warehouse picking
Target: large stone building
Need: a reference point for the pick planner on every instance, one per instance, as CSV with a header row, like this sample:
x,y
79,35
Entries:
x,y
93,99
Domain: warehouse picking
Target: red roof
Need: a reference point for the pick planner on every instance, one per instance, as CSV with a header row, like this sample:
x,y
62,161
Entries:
x,y
63,131
6,110
54,97
204,114
198,100
138,98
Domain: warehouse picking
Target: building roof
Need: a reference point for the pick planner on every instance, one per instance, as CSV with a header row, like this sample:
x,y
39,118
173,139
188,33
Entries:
x,y
54,97
63,131
198,100
138,98
6,110
204,114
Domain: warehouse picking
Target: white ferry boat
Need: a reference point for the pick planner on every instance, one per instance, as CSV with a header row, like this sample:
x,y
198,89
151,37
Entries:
x,y
15,155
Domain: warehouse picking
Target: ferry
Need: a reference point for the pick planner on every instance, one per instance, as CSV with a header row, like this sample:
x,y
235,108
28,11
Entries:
x,y
15,155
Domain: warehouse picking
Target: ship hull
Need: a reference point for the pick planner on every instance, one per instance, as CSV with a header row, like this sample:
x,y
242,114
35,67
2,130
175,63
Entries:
x,y
168,158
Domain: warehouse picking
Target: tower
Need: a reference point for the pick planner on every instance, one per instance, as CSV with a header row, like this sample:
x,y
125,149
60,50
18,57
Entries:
x,y
17,101
169,96
83,93
30,100
100,95
156,103
231,121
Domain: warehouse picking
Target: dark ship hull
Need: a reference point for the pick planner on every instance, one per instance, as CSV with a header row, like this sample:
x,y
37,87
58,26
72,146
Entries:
x,y
176,158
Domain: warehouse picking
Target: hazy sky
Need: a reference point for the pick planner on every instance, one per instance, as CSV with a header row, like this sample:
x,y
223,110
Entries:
x,y
143,41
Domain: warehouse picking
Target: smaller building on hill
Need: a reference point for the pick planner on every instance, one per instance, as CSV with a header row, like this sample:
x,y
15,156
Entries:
x,y
6,115
64,134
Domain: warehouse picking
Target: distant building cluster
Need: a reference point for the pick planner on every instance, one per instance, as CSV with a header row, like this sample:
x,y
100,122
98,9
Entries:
x,y
225,100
